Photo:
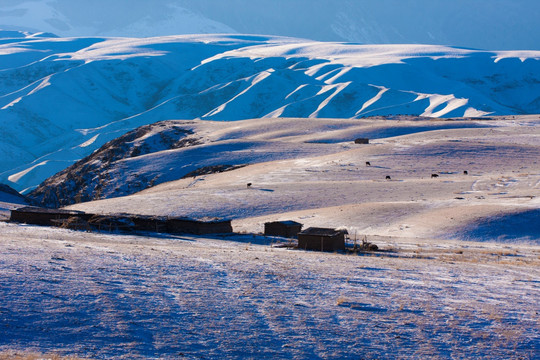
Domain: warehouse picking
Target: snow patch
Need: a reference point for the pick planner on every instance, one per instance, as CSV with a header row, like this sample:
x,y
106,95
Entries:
x,y
12,103
374,99
89,142
521,55
16,177
337,89
435,101
44,83
472,112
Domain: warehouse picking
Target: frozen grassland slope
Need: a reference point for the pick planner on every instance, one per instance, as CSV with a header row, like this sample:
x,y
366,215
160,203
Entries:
x,y
108,296
427,295
311,171
62,98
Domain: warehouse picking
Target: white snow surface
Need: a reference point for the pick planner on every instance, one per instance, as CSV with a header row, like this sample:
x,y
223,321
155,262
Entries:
x,y
62,98
105,296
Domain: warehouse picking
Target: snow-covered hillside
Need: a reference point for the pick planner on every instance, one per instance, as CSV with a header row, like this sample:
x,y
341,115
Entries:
x,y
103,296
484,24
9,199
429,293
311,171
62,98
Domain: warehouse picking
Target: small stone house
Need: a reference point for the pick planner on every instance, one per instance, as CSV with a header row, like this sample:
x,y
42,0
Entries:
x,y
41,216
286,229
150,223
199,226
321,239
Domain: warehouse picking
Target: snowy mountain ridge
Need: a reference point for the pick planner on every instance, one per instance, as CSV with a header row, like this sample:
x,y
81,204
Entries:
x,y
484,24
62,98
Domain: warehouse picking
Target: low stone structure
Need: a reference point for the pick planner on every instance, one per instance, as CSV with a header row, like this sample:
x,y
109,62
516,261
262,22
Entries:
x,y
118,222
361,141
73,223
287,229
42,216
321,239
112,223
150,223
198,227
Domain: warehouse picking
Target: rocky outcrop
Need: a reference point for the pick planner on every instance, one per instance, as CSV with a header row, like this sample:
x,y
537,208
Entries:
x,y
90,178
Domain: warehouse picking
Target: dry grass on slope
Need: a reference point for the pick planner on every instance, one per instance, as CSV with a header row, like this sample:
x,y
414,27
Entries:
x,y
29,355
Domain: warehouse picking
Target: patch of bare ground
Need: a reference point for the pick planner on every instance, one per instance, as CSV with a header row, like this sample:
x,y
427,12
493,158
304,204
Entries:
x,y
29,355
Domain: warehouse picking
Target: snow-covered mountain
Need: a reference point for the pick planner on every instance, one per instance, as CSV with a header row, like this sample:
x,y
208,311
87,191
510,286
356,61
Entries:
x,y
107,18
485,24
62,98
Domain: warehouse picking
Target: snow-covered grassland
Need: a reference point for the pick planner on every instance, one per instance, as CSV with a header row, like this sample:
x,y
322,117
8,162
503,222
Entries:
x,y
311,171
127,297
459,276
63,98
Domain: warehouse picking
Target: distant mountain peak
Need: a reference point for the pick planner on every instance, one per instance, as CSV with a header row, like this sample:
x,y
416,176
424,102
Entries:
x,y
481,24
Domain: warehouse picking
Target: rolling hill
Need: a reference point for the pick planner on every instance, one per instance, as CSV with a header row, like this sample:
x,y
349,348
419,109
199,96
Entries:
x,y
63,98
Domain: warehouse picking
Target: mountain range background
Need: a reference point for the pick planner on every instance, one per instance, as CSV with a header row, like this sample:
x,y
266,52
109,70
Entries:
x,y
482,24
75,75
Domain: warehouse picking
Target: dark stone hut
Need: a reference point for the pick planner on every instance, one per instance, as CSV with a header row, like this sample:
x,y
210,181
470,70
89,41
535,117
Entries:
x,y
321,239
287,229
198,227
150,223
361,141
118,222
111,223
41,216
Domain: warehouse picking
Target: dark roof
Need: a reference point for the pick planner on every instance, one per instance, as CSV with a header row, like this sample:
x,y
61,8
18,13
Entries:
x,y
147,217
206,220
40,210
321,231
285,222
